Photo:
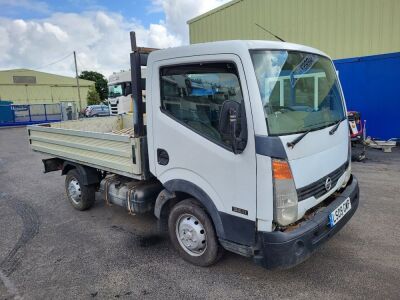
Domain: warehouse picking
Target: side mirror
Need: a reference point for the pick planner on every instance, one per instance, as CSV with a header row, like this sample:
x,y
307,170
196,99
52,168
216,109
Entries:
x,y
233,126
188,84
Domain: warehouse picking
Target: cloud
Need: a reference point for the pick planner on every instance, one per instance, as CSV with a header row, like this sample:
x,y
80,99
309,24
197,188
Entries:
x,y
178,12
100,38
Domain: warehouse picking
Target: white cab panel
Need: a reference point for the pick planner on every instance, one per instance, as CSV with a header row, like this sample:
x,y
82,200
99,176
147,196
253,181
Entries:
x,y
317,154
265,194
228,179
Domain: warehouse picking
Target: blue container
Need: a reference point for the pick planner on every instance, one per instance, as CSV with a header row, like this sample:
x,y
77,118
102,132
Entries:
x,y
371,87
6,113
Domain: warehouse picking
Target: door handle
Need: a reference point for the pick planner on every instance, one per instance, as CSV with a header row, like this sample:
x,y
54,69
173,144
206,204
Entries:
x,y
162,157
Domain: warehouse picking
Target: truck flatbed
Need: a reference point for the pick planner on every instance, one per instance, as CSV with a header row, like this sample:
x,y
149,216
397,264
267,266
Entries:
x,y
104,143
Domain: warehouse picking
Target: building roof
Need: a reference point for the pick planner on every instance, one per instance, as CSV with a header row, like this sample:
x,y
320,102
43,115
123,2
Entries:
x,y
7,77
210,12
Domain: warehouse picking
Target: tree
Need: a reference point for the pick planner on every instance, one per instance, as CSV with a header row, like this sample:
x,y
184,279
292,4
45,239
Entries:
x,y
100,82
93,96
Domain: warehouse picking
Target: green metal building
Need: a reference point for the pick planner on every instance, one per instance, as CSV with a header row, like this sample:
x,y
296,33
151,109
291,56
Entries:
x,y
340,28
23,86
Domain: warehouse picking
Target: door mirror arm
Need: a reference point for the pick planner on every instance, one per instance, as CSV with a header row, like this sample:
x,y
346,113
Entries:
x,y
233,125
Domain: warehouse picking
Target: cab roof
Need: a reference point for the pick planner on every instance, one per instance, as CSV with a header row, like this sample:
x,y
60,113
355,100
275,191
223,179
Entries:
x,y
239,47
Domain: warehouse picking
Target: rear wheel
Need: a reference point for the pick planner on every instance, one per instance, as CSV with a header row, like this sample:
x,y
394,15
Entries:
x,y
192,233
81,196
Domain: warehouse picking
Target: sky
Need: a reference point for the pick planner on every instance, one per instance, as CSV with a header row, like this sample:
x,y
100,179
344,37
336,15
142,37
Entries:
x,y
42,35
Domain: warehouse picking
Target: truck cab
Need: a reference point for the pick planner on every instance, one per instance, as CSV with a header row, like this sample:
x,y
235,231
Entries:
x,y
256,131
120,91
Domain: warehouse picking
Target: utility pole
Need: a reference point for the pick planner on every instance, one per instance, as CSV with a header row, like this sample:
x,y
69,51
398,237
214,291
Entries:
x,y
77,83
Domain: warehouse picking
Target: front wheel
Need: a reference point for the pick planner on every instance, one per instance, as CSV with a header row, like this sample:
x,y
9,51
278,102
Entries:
x,y
192,233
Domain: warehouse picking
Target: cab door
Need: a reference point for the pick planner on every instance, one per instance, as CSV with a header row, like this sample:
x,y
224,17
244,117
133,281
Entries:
x,y
187,147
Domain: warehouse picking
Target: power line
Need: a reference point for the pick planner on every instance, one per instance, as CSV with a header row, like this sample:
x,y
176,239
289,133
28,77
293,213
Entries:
x,y
82,67
80,63
54,62
85,68
47,65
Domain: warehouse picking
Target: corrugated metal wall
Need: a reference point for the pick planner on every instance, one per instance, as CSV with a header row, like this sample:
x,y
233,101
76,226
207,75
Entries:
x,y
341,28
42,94
49,88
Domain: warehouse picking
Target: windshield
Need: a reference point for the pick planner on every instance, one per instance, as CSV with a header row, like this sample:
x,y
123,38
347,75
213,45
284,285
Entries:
x,y
299,91
115,90
120,89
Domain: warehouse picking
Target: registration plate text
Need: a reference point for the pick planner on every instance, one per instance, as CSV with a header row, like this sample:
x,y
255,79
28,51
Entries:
x,y
339,212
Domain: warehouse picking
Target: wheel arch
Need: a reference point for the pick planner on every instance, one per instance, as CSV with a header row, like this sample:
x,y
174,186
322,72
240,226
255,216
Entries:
x,y
89,175
177,190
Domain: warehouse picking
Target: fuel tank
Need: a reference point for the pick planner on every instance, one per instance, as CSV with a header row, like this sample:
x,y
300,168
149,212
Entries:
x,y
137,196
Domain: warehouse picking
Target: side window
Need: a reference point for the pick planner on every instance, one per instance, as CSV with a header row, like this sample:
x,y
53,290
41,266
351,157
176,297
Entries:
x,y
127,89
193,94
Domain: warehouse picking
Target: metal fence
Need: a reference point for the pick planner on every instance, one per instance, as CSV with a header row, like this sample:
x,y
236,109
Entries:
x,y
14,115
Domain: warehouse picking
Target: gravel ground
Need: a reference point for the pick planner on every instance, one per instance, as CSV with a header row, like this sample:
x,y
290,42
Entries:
x,y
48,250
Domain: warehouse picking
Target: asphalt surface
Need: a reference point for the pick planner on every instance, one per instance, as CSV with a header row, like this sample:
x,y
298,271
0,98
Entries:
x,y
48,250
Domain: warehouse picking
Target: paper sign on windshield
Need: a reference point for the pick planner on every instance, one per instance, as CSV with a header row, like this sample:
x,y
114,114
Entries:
x,y
303,67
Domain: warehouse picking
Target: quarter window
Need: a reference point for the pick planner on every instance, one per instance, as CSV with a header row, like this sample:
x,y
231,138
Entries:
x,y
193,95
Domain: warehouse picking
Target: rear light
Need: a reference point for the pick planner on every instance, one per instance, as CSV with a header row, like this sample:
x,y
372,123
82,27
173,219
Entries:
x,y
285,194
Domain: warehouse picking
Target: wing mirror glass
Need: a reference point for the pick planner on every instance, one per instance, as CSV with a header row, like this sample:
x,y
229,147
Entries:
x,y
233,126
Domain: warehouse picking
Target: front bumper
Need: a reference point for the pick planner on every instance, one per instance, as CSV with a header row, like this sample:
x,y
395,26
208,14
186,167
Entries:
x,y
287,249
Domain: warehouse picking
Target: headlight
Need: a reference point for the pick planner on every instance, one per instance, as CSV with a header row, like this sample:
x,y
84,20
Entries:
x,y
285,194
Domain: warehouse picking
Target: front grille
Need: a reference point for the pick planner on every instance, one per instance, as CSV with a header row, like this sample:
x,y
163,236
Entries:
x,y
317,188
114,109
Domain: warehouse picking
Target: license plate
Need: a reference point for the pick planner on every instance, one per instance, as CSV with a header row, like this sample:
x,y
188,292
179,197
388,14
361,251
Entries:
x,y
339,212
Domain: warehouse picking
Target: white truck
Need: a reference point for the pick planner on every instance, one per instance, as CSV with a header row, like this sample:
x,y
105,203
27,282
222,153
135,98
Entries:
x,y
241,145
120,91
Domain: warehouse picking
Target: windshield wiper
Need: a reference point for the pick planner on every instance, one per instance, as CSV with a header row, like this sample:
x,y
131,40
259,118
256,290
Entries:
x,y
333,130
298,139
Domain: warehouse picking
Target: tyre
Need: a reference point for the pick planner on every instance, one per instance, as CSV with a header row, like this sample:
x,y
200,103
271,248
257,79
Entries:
x,y
81,196
192,234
